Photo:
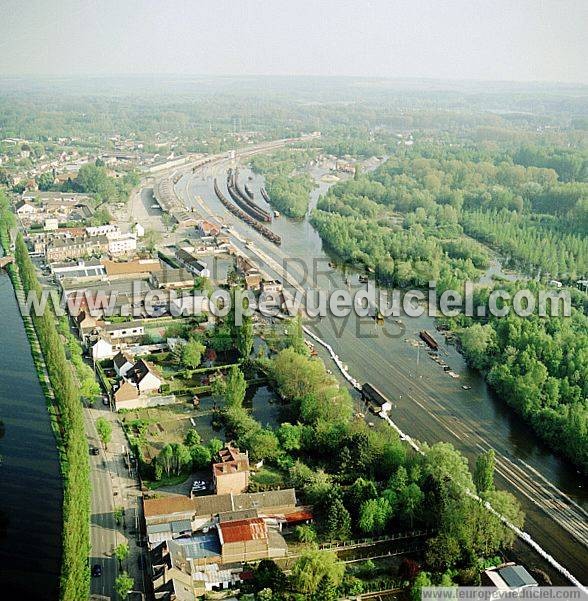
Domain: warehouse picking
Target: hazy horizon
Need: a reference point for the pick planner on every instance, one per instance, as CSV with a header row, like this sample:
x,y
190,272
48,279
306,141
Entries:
x,y
457,41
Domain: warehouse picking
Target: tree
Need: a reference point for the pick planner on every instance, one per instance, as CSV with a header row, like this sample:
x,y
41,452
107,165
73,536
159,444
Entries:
x,y
268,574
422,580
192,438
443,551
192,352
374,515
484,472
215,445
306,534
312,566
338,520
263,444
165,459
410,500
104,428
151,239
123,585
290,436
89,388
295,336
244,337
235,387
221,338
45,181
326,591
121,552
201,456
478,344
118,514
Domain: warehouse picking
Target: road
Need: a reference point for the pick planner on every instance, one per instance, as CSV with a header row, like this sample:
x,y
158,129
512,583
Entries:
x,y
430,407
112,486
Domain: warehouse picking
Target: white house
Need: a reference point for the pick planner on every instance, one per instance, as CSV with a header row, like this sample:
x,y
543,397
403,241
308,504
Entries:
x,y
51,224
144,377
102,230
120,244
125,330
189,305
139,230
25,208
102,349
122,363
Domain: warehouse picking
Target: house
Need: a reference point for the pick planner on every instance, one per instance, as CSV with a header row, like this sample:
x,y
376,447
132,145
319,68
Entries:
x,y
190,262
206,228
102,349
24,208
249,540
85,323
253,281
189,305
121,244
125,392
136,268
271,286
51,224
171,279
144,376
122,363
75,248
231,473
138,229
90,269
508,576
124,331
245,265
102,230
205,511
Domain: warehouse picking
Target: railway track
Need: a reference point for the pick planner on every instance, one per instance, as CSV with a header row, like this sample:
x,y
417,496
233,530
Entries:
x,y
241,199
519,476
238,212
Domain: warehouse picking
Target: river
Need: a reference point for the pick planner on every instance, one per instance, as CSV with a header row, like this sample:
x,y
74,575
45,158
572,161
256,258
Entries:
x,y
30,478
429,405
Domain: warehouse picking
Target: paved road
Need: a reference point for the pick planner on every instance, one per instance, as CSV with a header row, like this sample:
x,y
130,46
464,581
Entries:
x,y
112,486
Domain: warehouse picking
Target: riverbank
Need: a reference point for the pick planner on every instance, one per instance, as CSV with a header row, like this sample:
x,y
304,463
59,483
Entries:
x,y
31,495
68,419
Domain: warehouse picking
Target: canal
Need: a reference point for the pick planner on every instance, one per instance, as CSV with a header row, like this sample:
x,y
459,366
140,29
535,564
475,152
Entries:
x,y
429,404
30,478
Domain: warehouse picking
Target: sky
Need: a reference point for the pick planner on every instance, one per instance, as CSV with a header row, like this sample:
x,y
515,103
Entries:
x,y
507,40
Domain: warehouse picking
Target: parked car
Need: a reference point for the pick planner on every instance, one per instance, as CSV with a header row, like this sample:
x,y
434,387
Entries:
x,y
96,570
94,451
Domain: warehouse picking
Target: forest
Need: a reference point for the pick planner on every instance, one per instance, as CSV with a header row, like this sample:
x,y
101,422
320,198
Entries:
x,y
433,213
287,187
540,367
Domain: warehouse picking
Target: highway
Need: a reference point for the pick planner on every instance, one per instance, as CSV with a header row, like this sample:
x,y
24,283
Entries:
x,y
429,407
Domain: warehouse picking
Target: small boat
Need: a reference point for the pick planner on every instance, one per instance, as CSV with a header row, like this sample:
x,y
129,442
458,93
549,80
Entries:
x,y
276,214
466,387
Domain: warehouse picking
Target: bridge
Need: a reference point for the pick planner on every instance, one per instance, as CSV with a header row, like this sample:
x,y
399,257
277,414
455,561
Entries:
x,y
4,261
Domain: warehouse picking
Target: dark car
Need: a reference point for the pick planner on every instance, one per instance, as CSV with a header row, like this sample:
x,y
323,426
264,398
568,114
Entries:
x,y
96,570
94,451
